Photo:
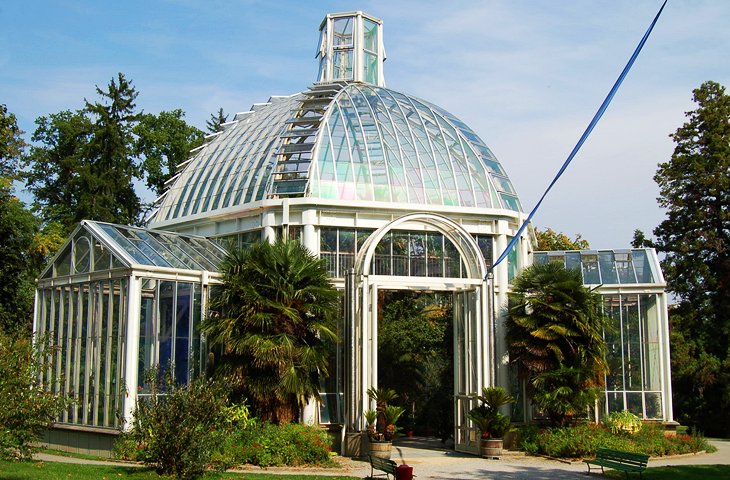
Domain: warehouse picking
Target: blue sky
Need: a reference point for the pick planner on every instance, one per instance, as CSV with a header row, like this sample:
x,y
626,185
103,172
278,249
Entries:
x,y
527,76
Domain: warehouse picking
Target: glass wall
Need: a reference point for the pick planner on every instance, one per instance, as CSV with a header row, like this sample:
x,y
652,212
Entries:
x,y
170,315
634,380
86,322
399,253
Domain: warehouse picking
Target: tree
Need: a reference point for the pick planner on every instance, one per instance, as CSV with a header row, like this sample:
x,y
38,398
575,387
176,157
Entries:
x,y
107,192
555,324
55,164
549,240
694,190
11,143
19,262
274,316
163,142
215,124
83,164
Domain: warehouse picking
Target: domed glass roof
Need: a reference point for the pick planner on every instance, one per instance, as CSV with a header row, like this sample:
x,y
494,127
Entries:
x,y
346,138
340,141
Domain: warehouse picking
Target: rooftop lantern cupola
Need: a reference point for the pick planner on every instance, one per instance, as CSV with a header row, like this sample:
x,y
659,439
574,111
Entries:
x,y
351,48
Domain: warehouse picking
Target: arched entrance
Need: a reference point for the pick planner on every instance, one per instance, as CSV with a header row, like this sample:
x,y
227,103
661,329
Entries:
x,y
473,324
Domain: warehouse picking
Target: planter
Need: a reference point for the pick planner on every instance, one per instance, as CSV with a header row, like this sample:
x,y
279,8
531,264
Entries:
x,y
380,449
491,447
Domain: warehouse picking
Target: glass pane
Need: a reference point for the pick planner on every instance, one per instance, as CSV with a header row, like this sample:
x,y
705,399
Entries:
x,y
182,332
616,402
342,65
591,275
614,354
82,251
166,321
608,268
101,257
653,402
370,35
632,341
342,34
634,403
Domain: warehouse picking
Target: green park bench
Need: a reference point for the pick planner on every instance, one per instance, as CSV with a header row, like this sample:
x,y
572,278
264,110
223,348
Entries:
x,y
382,464
624,461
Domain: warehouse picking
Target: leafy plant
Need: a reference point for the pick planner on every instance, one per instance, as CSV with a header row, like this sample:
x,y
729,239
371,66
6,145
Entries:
x,y
623,422
265,444
178,428
392,414
28,406
487,417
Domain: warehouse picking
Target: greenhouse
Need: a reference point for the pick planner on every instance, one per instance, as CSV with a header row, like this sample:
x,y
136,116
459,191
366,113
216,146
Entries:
x,y
394,192
117,301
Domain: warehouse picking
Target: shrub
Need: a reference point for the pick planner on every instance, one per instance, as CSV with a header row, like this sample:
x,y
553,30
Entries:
x,y
265,444
623,422
178,429
584,440
28,408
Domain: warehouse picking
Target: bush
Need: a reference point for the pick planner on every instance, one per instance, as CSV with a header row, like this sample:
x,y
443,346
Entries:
x,y
584,440
623,422
28,408
178,429
265,444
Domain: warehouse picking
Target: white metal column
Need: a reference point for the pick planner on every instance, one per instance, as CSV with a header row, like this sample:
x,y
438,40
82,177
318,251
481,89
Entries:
x,y
132,341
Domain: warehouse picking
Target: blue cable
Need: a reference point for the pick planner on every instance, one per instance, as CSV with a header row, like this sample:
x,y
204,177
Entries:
x,y
583,138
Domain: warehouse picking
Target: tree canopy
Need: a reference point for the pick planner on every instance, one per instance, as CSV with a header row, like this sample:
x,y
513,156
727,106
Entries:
x,y
695,238
555,338
217,119
550,240
274,316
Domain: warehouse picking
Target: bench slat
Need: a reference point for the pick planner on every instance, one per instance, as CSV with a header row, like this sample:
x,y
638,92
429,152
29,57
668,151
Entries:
x,y
618,460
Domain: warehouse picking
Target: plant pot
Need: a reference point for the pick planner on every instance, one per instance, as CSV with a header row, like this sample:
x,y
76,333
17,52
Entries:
x,y
491,447
380,449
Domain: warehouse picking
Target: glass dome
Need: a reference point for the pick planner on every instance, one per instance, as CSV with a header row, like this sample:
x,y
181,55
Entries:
x,y
346,141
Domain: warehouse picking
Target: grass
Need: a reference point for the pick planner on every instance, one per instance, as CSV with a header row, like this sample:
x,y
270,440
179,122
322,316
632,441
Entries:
x,y
685,472
61,471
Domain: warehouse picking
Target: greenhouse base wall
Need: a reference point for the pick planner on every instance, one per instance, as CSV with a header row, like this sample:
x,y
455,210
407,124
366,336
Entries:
x,y
97,442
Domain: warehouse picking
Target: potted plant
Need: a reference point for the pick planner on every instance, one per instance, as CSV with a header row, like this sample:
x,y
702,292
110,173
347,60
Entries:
x,y
381,422
492,423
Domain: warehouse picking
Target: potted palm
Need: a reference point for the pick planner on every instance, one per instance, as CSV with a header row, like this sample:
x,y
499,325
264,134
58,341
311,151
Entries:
x,y
492,423
381,422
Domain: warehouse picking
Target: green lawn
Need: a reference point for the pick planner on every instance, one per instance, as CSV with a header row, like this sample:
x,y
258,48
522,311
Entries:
x,y
61,471
686,472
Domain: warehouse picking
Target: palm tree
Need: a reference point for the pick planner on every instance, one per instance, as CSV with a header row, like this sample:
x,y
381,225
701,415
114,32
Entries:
x,y
555,323
274,316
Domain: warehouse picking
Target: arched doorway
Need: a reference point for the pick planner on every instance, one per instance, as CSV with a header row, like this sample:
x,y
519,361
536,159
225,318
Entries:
x,y
473,324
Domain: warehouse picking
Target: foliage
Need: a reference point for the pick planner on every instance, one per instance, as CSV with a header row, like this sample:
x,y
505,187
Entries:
x,y
178,428
28,407
19,262
549,240
274,315
217,119
623,422
12,144
486,416
555,337
266,445
583,441
565,393
694,191
163,142
386,415
415,352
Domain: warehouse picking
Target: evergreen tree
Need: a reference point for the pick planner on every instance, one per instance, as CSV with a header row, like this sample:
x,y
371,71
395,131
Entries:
x,y
83,163
107,192
163,142
695,237
215,124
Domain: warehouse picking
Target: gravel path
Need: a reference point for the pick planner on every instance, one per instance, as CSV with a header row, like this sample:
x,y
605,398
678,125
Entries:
x,y
437,462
